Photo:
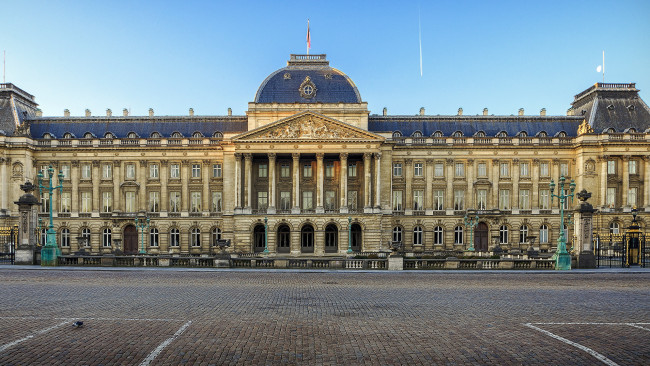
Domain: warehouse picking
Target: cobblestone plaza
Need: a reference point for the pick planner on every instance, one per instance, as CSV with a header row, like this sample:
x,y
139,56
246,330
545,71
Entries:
x,y
211,317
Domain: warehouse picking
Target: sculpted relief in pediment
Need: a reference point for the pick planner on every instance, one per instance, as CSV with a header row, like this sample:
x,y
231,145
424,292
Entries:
x,y
309,127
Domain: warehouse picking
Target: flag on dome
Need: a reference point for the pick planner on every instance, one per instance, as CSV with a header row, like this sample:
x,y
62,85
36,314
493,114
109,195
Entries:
x,y
308,37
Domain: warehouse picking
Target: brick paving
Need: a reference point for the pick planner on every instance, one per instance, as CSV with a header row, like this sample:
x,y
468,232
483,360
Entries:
x,y
270,318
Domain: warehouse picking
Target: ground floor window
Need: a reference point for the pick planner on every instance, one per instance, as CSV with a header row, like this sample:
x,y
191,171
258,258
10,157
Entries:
x,y
331,239
307,239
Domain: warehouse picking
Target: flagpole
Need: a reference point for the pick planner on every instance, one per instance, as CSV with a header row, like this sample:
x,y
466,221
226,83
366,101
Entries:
x,y
603,66
308,37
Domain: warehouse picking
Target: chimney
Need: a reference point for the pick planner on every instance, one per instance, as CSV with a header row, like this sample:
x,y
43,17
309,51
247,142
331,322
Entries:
x,y
125,112
460,111
191,111
150,112
229,111
385,111
66,113
39,113
570,112
485,111
542,112
521,111
87,112
421,111
109,113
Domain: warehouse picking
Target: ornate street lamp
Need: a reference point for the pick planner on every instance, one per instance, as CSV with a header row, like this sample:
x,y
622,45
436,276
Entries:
x,y
142,225
349,235
266,235
50,252
562,257
471,223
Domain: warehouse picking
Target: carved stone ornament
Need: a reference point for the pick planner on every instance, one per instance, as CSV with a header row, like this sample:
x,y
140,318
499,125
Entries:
x,y
584,128
307,88
309,127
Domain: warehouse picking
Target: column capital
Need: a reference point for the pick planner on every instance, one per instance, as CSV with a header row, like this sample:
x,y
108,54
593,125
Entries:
x,y
143,163
535,162
450,162
470,162
295,156
430,161
556,161
367,156
377,155
95,163
343,156
163,163
75,163
238,155
646,158
625,157
320,156
515,161
272,156
248,156
118,163
495,161
408,162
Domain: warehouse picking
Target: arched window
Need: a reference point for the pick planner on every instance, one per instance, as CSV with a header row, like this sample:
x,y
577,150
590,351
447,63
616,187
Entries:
x,y
85,233
523,134
397,134
48,136
177,135
215,236
561,134
356,237
197,135
543,234
155,135
417,235
307,239
153,237
65,237
43,237
106,238
217,135
458,134
174,237
542,134
132,135
67,135
195,237
284,239
502,134
417,137
503,234
88,135
331,239
523,233
437,134
109,135
458,235
258,238
479,134
614,228
438,237
397,234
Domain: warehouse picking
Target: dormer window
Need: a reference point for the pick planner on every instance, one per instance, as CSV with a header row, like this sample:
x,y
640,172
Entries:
x,y
611,130
502,134
561,134
217,135
610,107
630,107
155,135
542,134
523,134
397,134
88,135
458,134
197,135
109,135
48,136
67,135
480,134
437,134
132,135
177,135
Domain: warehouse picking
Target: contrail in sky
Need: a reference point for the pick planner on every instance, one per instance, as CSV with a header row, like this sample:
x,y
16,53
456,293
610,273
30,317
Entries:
x,y
420,37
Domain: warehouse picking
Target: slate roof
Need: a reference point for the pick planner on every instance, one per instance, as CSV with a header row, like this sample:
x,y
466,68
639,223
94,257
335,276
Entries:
x,y
142,126
469,125
16,106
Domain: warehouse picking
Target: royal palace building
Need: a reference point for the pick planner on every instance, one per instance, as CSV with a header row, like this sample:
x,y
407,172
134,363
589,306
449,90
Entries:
x,y
309,171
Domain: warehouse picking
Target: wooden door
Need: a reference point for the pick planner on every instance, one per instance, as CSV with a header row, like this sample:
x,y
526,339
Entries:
x,y
481,237
130,240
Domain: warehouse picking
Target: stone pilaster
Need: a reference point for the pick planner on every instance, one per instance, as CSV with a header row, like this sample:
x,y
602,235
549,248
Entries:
x,y
320,182
272,182
344,182
296,189
367,182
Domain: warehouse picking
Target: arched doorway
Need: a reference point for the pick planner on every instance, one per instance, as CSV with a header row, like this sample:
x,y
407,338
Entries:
x,y
130,240
331,239
258,238
307,239
481,237
284,239
356,237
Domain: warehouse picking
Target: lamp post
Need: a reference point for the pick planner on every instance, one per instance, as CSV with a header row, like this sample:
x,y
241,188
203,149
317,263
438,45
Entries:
x,y
471,223
349,235
266,235
562,257
142,225
50,252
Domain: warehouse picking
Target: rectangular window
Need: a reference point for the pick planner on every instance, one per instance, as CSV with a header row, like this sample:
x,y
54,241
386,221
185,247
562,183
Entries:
x,y
459,199
129,201
481,199
307,199
307,171
460,169
352,200
397,201
564,170
86,202
330,200
174,171
45,202
611,197
611,167
216,202
631,197
285,200
566,200
65,169
417,169
504,199
154,171
544,199
352,170
263,171
216,170
107,171
196,170
285,170
107,202
523,169
632,167
482,170
154,201
174,201
329,170
86,171
438,170
543,170
65,201
262,200
524,199
397,169
130,171
505,170
438,199
195,202
418,200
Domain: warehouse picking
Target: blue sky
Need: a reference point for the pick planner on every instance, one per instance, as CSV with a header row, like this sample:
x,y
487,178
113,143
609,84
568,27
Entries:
x,y
211,55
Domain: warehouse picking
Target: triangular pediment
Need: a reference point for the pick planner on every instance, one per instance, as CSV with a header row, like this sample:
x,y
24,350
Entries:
x,y
308,126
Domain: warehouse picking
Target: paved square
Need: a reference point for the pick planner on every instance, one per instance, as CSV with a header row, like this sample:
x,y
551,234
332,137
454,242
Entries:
x,y
172,317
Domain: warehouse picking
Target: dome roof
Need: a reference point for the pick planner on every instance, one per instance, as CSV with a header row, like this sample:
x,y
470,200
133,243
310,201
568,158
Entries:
x,y
308,79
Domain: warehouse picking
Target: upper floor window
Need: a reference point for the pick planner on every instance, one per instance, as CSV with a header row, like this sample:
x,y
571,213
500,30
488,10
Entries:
x,y
174,171
107,171
564,170
130,171
216,170
285,170
263,171
329,169
543,170
196,170
439,170
86,171
352,170
632,167
611,167
417,169
460,169
307,171
505,169
482,170
153,171
397,169
523,169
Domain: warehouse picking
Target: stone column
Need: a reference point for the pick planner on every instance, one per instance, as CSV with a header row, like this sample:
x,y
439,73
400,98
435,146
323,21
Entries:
x,y
534,203
449,199
185,189
238,188
248,170
646,183
367,205
142,190
469,175
95,179
272,194
603,180
296,188
516,205
164,198
626,180
320,183
26,227
74,178
205,176
494,172
344,182
378,181
408,191
584,232
428,189
4,207
117,180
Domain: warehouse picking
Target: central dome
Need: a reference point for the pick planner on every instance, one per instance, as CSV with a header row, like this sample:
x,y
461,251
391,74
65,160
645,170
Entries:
x,y
308,79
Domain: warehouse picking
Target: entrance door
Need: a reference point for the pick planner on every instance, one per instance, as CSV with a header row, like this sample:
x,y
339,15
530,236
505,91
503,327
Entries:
x,y
633,250
481,237
130,240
